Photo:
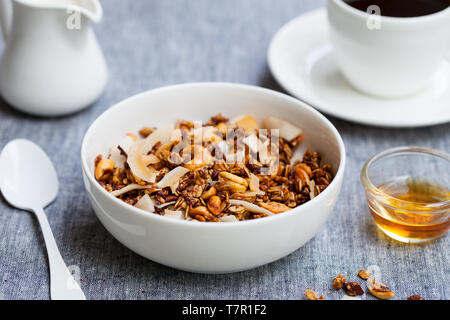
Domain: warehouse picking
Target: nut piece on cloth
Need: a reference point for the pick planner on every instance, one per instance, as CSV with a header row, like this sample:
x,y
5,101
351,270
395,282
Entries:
x,y
353,289
363,274
379,290
415,297
338,282
312,295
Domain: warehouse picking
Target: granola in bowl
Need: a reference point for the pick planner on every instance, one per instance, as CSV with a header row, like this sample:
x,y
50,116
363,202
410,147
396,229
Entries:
x,y
219,171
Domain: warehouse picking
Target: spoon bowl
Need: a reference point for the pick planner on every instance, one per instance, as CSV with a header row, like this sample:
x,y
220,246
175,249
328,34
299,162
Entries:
x,y
30,180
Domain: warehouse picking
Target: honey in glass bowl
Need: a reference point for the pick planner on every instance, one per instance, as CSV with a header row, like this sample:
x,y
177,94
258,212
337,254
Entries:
x,y
409,213
408,208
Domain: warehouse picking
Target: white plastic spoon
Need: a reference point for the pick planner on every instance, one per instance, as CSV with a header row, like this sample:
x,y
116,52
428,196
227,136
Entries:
x,y
28,181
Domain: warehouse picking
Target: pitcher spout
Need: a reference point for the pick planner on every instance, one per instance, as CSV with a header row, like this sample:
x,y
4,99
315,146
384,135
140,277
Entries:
x,y
91,9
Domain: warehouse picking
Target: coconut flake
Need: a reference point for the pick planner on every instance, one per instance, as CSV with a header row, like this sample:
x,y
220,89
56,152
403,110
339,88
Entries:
x,y
253,182
298,156
177,135
139,150
126,143
164,205
128,188
251,207
146,204
287,130
179,215
312,188
229,219
252,142
137,164
206,135
172,179
162,135
254,194
116,155
150,159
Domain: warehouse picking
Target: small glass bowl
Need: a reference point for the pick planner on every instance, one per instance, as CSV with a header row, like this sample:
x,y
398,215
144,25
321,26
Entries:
x,y
407,191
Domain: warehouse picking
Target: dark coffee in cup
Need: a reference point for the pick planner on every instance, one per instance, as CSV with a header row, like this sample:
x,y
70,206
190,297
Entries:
x,y
402,8
395,55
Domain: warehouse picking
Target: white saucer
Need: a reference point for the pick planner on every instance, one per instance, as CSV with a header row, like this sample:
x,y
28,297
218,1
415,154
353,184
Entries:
x,y
302,61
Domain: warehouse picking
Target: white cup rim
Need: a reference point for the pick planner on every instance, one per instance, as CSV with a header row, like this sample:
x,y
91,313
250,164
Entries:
x,y
397,20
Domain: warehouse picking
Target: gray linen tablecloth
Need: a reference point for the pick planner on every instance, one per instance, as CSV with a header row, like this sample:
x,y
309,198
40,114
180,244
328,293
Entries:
x,y
153,43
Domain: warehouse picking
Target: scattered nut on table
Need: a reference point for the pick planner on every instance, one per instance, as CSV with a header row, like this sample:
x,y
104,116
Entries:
x,y
338,282
312,295
415,297
353,289
379,290
363,274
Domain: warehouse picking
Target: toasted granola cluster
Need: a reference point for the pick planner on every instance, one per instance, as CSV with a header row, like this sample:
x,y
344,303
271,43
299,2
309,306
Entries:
x,y
354,289
220,171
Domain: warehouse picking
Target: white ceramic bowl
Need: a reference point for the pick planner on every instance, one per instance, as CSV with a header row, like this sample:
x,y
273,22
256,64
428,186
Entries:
x,y
210,247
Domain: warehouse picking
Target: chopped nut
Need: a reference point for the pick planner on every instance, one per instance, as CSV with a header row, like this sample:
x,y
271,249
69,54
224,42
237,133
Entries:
x,y
235,183
302,175
104,169
216,120
363,274
208,194
243,197
338,282
379,290
295,142
305,168
145,132
353,289
225,176
274,207
311,295
201,212
98,159
416,297
214,205
247,123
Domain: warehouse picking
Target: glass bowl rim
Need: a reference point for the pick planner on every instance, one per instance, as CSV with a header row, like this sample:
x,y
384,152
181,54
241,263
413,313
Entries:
x,y
369,186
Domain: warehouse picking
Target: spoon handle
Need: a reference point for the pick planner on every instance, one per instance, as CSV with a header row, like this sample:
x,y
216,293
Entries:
x,y
62,285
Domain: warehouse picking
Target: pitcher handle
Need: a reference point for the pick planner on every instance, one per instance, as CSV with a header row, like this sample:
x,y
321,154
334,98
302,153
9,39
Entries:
x,y
6,10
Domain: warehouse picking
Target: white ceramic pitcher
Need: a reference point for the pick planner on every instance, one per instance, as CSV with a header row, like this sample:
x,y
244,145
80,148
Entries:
x,y
52,64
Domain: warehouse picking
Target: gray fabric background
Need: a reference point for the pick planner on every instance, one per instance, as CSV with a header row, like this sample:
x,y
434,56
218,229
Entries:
x,y
153,43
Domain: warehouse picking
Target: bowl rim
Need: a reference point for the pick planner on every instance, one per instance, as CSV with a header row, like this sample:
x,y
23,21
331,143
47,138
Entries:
x,y
258,90
395,21
375,191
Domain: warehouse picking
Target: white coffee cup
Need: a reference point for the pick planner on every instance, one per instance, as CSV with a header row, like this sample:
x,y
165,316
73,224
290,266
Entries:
x,y
386,56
